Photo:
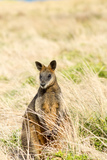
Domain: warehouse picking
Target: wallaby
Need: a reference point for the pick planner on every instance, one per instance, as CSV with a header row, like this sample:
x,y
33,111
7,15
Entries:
x,y
44,114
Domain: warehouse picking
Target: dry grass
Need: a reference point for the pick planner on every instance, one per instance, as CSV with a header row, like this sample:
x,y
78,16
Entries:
x,y
69,31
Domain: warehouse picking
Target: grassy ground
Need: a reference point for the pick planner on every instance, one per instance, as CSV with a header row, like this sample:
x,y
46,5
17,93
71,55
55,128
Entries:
x,y
74,32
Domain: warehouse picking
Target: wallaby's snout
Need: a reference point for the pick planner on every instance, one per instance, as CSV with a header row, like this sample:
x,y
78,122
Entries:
x,y
42,84
47,76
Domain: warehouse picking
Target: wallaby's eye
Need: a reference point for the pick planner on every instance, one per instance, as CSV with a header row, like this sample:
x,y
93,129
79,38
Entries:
x,y
49,76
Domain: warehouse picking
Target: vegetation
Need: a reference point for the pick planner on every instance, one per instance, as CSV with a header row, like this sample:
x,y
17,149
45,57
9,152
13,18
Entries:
x,y
75,34
69,156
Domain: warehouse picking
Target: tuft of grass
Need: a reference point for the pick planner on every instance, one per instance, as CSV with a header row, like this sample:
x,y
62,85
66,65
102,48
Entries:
x,y
3,78
11,94
30,80
13,140
100,69
96,63
75,72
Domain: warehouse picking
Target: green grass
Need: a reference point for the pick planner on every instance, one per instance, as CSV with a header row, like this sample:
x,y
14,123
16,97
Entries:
x,y
15,137
3,78
29,80
69,156
11,144
100,69
96,127
76,72
11,94
13,140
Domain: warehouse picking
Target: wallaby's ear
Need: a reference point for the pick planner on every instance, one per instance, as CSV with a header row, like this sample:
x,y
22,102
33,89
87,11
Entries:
x,y
38,65
52,65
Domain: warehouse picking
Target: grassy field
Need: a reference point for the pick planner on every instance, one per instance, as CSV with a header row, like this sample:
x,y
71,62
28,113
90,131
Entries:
x,y
74,33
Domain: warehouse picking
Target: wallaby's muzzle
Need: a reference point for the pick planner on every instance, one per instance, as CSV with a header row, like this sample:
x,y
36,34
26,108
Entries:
x,y
42,85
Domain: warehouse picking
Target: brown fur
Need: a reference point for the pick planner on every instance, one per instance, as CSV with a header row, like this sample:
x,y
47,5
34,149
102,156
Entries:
x,y
43,117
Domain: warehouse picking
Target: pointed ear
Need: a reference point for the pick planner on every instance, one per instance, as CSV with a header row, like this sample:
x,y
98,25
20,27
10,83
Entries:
x,y
52,65
38,65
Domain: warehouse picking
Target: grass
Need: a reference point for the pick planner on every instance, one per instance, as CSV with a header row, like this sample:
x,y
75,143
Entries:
x,y
3,78
29,80
76,72
98,127
70,156
74,33
13,139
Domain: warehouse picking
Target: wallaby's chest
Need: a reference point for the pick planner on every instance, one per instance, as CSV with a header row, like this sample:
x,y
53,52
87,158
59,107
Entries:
x,y
48,103
48,106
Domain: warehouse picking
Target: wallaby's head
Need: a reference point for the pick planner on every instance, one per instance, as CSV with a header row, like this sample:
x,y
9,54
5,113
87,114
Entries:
x,y
47,75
